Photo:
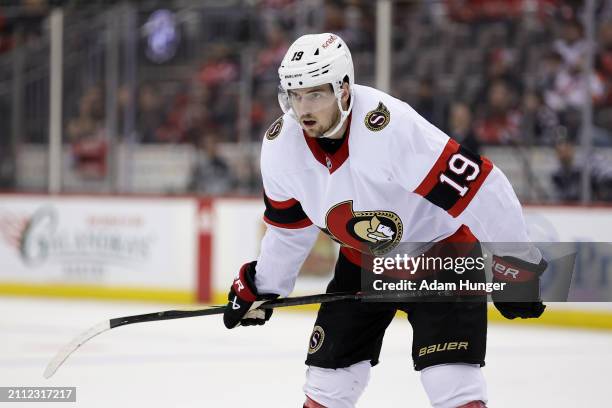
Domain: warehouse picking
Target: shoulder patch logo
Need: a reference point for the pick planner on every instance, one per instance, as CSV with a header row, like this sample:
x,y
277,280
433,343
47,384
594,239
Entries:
x,y
378,118
275,129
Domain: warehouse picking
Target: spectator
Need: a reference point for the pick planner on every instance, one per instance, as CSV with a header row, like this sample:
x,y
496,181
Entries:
x,y
500,67
425,103
87,137
601,176
172,130
567,97
219,68
603,65
571,46
188,116
6,34
269,58
547,71
568,177
248,176
90,157
197,115
149,114
210,174
224,112
474,11
89,122
460,127
499,122
7,150
565,94
429,105
275,4
346,18
26,27
539,123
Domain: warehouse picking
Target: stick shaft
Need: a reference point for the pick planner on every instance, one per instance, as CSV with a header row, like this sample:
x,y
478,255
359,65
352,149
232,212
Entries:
x,y
271,304
213,310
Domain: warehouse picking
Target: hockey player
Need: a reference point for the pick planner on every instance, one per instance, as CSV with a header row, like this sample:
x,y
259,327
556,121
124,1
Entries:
x,y
367,170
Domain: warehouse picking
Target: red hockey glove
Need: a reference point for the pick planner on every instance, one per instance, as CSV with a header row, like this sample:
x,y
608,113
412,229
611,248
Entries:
x,y
521,294
243,300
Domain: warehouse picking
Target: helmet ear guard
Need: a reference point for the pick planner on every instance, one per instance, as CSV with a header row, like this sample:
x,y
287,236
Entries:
x,y
344,114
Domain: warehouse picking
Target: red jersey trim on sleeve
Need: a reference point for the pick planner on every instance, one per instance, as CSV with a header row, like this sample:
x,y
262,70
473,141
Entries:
x,y
282,205
455,178
296,225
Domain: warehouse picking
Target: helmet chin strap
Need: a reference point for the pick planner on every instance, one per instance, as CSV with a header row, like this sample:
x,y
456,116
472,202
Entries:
x,y
343,115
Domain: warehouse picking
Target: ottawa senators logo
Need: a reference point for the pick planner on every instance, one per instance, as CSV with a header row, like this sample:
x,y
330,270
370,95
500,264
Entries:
x,y
378,118
371,232
275,129
316,339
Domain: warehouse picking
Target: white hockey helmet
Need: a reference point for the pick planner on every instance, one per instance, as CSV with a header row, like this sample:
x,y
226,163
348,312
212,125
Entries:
x,y
313,60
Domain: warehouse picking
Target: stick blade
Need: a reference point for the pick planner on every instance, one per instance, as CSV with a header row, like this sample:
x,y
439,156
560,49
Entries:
x,y
71,347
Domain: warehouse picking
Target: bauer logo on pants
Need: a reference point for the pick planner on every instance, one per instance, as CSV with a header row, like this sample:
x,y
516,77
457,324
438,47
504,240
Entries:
x,y
454,345
316,339
378,118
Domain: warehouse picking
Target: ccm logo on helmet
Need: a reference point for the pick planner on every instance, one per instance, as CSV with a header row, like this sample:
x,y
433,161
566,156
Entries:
x,y
329,41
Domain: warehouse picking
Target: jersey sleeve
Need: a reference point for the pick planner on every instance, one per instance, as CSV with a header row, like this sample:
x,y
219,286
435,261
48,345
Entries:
x,y
288,239
471,189
495,216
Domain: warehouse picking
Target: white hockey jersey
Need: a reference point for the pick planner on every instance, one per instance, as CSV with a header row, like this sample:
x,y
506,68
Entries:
x,y
395,178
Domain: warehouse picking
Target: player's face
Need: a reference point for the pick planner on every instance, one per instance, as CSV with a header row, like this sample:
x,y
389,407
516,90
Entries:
x,y
316,108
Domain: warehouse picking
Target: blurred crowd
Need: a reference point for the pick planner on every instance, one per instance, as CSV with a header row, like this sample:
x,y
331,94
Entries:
x,y
22,24
488,72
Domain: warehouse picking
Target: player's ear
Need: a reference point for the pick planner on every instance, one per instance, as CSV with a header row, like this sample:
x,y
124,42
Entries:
x,y
345,92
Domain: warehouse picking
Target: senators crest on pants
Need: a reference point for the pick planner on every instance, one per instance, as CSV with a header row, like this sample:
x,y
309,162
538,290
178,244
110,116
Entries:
x,y
370,232
316,339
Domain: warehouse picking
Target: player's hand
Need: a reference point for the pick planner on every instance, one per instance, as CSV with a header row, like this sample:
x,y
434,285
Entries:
x,y
521,294
243,300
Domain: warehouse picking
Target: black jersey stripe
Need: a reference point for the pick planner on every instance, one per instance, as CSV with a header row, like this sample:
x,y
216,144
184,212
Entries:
x,y
286,213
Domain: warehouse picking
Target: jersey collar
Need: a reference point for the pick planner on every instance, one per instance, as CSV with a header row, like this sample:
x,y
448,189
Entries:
x,y
332,161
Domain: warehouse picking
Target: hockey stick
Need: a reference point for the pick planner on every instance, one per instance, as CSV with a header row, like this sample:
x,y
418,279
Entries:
x,y
106,325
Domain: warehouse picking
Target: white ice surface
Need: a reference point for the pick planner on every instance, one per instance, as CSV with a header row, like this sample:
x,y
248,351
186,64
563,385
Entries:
x,y
196,362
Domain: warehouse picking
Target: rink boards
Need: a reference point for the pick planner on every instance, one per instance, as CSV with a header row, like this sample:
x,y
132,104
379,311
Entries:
x,y
187,249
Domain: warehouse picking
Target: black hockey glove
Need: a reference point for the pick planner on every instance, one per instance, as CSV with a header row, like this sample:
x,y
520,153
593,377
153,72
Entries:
x,y
521,294
243,300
